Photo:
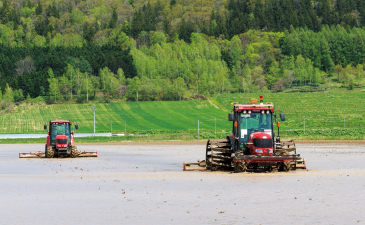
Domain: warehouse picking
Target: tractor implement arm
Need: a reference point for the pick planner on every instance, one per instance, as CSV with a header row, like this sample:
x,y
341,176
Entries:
x,y
189,166
31,155
87,154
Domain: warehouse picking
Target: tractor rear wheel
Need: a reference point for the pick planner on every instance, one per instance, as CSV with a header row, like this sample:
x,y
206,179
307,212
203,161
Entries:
x,y
74,152
49,152
218,155
285,166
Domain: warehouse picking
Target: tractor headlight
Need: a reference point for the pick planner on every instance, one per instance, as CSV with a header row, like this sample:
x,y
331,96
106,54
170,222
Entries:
x,y
249,111
262,112
267,112
258,151
270,151
244,111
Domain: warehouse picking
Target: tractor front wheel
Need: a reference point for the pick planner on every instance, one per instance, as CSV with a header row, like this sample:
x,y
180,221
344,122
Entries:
x,y
49,152
74,152
240,167
286,166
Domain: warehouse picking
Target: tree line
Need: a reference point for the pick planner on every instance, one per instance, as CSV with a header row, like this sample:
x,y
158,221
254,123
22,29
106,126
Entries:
x,y
84,22
27,68
250,62
76,51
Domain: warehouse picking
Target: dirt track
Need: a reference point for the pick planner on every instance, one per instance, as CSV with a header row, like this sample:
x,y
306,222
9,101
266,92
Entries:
x,y
144,183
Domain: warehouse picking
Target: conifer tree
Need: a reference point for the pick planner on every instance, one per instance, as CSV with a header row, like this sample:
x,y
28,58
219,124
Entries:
x,y
114,20
5,11
39,8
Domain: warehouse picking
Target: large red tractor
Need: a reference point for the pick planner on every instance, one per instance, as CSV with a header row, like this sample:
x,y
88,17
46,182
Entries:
x,y
253,145
60,142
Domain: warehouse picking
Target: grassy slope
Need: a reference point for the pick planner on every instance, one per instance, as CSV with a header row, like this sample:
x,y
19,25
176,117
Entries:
x,y
325,112
139,116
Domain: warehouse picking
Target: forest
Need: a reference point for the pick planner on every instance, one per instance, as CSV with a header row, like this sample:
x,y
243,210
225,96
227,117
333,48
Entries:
x,y
62,51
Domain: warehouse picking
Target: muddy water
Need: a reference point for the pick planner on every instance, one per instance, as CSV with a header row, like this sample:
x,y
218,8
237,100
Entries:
x,y
146,185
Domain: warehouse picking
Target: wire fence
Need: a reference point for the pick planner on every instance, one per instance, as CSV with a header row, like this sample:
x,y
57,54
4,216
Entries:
x,y
194,125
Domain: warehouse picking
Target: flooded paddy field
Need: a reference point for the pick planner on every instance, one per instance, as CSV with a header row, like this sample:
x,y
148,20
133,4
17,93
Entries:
x,y
145,184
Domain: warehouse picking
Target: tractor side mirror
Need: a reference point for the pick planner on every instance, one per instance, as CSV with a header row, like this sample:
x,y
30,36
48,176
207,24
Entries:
x,y
230,117
76,126
282,117
45,127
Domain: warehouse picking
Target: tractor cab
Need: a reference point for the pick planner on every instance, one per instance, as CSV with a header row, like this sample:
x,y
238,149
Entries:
x,y
253,131
60,127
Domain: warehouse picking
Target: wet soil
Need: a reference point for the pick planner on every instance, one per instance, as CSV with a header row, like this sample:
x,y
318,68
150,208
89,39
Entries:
x,y
144,184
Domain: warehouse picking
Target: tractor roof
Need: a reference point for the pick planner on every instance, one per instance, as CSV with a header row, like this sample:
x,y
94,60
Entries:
x,y
241,107
61,121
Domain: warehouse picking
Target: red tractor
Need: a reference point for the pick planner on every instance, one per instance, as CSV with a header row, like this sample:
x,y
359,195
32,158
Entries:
x,y
253,145
60,142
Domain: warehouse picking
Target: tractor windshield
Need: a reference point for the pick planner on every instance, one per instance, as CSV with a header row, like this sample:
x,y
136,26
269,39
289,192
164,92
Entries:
x,y
60,128
255,122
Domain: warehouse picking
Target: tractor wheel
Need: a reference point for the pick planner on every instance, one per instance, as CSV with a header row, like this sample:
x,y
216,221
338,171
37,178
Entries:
x,y
236,167
240,167
49,152
286,166
218,155
208,155
74,152
243,167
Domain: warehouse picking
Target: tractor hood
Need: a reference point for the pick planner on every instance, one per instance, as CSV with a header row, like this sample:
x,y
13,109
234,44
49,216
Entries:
x,y
260,143
61,141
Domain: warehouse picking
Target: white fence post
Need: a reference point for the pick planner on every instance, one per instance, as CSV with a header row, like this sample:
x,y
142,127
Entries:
x,y
215,126
198,130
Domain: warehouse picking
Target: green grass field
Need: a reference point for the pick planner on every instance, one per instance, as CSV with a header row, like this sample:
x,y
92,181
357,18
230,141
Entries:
x,y
334,113
333,109
139,117
329,115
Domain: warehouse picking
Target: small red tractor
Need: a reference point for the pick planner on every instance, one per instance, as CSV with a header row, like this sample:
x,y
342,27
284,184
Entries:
x,y
60,142
253,145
